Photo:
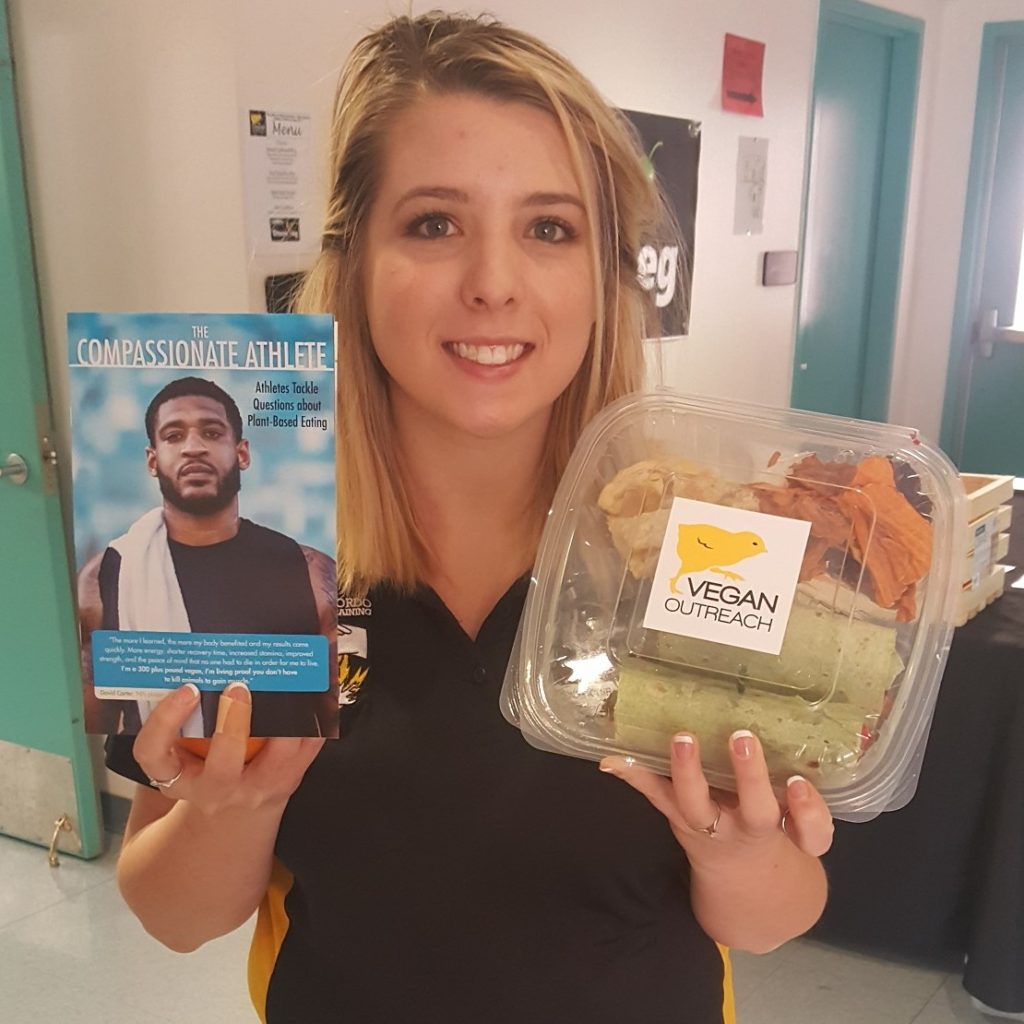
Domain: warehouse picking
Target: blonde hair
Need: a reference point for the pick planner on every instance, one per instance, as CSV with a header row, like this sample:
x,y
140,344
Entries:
x,y
388,71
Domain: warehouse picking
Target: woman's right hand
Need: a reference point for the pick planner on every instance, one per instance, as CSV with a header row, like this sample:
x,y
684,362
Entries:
x,y
223,780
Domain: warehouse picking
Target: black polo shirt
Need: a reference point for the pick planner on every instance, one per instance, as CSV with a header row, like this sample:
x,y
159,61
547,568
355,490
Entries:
x,y
434,867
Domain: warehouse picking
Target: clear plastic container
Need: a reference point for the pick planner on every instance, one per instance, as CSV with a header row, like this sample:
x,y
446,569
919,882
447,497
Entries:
x,y
709,566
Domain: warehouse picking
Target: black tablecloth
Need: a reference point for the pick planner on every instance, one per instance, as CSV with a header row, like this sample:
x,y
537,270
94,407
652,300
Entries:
x,y
943,878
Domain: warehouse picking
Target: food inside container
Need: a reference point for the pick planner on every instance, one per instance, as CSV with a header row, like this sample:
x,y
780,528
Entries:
x,y
709,567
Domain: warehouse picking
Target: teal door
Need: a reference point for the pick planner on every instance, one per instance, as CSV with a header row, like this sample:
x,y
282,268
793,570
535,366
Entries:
x,y
45,768
983,417
865,85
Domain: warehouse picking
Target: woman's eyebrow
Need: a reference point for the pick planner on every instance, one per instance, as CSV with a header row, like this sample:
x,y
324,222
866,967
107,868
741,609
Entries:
x,y
434,192
457,195
554,199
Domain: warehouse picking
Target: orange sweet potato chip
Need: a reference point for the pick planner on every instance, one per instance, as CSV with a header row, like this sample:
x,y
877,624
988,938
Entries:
x,y
857,505
897,540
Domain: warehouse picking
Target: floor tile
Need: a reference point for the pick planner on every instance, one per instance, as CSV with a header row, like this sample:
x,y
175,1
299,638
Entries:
x,y
30,884
35,997
91,944
750,971
875,972
797,994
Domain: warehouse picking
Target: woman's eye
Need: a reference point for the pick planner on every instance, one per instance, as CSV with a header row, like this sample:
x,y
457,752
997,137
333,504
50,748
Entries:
x,y
552,231
433,226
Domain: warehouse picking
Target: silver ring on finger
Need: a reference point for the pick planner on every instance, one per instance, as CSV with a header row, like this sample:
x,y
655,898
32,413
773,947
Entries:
x,y
712,829
166,784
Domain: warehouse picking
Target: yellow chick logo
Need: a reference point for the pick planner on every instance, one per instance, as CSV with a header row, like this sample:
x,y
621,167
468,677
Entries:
x,y
702,547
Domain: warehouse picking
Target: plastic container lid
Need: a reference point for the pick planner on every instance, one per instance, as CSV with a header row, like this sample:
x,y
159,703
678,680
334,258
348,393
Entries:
x,y
709,566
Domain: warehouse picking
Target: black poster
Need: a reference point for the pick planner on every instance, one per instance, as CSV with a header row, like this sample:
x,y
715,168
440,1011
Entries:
x,y
672,145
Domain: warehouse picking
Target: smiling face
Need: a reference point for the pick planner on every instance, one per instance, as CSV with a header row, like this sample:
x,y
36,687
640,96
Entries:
x,y
195,455
478,279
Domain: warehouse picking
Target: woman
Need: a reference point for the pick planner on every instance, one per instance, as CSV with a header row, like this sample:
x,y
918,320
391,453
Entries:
x,y
480,258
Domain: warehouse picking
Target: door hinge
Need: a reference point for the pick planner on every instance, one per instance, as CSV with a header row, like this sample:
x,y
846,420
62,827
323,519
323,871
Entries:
x,y
47,449
986,323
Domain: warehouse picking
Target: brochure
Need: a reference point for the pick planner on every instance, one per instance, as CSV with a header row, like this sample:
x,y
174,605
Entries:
x,y
204,515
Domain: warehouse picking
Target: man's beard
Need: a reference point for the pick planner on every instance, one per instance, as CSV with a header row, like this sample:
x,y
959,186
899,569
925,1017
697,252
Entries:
x,y
203,504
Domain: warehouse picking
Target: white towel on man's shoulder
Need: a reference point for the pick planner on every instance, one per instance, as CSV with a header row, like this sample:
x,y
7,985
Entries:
x,y
148,594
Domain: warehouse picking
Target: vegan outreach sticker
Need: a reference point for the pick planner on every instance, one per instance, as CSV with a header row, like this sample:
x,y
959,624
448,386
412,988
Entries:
x,y
727,575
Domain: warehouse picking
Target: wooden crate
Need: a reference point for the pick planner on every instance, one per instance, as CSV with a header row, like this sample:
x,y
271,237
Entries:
x,y
973,599
986,541
985,492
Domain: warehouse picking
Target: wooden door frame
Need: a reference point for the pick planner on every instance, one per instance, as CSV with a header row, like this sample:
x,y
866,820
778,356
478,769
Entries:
x,y
906,35
975,234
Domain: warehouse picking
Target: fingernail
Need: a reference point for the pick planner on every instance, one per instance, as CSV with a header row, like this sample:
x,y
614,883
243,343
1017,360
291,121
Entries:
x,y
743,743
238,691
796,785
683,746
233,714
187,694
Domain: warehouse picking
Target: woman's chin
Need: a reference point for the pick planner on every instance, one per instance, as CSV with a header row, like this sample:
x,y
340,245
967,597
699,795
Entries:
x,y
500,423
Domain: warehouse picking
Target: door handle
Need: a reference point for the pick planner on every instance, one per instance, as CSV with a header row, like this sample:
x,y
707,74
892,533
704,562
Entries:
x,y
990,334
14,469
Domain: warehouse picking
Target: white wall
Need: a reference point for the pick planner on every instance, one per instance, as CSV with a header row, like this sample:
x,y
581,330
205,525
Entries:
x,y
741,335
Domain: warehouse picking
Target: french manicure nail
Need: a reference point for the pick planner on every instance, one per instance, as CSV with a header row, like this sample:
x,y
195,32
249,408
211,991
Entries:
x,y
796,785
238,691
187,694
743,742
683,745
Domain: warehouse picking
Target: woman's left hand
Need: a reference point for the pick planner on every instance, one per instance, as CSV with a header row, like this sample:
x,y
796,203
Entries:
x,y
751,816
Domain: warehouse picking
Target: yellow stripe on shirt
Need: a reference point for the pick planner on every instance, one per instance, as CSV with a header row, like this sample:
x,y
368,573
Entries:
x,y
728,998
271,928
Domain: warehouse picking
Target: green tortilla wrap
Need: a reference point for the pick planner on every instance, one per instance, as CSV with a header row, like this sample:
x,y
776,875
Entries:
x,y
820,647
651,706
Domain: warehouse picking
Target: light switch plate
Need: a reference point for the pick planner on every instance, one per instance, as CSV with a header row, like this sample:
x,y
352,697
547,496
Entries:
x,y
779,267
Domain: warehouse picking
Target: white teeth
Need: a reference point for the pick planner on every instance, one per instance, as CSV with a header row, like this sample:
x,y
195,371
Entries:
x,y
489,355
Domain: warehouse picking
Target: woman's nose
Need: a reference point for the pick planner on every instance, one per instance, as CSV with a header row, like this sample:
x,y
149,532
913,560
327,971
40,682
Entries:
x,y
492,273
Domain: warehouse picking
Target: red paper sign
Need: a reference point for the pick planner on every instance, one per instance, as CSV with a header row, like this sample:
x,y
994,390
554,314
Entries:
x,y
742,72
